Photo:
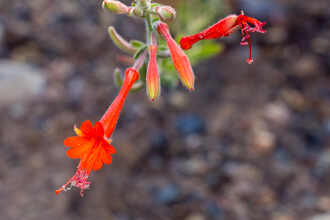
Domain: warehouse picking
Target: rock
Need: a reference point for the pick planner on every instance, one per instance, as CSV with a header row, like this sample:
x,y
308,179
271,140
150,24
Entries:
x,y
19,82
263,141
276,35
327,126
189,124
2,33
75,89
167,195
3,48
278,113
214,211
195,216
195,166
159,143
307,66
321,217
178,99
322,166
218,180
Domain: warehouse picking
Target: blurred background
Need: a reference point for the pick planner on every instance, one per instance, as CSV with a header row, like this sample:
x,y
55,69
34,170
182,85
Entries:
x,y
252,142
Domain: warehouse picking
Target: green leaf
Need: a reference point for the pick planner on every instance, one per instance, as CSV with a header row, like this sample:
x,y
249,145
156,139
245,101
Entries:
x,y
154,5
137,86
139,51
204,50
136,43
143,72
117,78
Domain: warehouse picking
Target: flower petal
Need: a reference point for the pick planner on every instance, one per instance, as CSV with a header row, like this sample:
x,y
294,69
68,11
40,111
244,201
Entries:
x,y
109,148
98,129
78,152
98,164
76,141
106,157
87,127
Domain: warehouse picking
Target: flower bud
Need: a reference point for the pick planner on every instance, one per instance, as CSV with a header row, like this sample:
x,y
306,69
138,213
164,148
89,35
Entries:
x,y
166,13
115,6
152,80
180,60
135,11
143,3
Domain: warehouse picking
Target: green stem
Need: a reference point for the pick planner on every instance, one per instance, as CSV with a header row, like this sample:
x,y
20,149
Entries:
x,y
148,28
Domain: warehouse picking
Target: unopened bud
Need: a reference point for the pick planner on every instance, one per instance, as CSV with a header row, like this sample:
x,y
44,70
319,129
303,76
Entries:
x,y
166,13
143,3
115,6
137,11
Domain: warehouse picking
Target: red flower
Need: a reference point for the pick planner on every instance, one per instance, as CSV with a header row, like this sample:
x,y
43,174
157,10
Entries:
x,y
111,116
225,27
153,81
91,145
180,59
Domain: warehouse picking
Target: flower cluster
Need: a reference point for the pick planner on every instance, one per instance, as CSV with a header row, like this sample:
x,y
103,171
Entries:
x,y
92,143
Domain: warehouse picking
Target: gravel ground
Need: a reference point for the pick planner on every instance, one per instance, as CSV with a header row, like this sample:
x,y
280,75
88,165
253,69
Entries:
x,y
256,147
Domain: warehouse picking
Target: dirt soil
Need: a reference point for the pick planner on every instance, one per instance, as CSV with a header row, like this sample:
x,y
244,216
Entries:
x,y
252,142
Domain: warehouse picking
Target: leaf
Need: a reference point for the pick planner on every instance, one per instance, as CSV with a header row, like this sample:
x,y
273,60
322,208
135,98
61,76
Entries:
x,y
140,51
117,78
204,50
136,43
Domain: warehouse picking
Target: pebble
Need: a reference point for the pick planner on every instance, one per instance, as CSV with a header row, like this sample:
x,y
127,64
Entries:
x,y
278,113
213,211
195,166
189,124
19,82
159,142
263,140
276,35
306,66
325,216
2,33
327,126
195,216
75,89
167,195
178,99
322,166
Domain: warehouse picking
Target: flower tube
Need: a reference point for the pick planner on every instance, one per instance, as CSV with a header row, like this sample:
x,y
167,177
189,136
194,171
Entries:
x,y
92,144
180,59
225,27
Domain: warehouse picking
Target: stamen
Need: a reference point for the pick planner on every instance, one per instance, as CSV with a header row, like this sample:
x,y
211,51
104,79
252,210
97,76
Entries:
x,y
250,60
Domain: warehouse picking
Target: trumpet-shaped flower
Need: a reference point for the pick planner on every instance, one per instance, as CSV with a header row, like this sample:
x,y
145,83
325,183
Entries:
x,y
225,27
180,59
92,144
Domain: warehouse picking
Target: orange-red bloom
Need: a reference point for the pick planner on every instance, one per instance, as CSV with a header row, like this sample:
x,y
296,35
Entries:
x,y
91,145
111,116
180,59
152,80
225,27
